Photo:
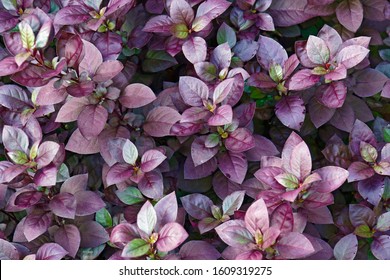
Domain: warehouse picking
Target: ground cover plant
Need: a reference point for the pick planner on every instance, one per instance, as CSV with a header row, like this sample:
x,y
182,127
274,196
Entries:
x,y
191,129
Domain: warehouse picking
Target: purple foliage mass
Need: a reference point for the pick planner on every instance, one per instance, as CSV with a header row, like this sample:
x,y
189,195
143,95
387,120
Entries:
x,y
191,129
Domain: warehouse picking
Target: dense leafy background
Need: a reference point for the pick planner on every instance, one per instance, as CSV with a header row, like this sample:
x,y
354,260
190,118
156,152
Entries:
x,y
195,129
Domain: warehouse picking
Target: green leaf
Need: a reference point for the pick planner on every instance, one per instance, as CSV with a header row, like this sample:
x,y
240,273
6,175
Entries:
x,y
363,231
276,73
226,34
43,35
212,140
63,173
180,31
157,61
368,152
104,218
136,248
130,196
90,253
287,180
18,157
386,192
386,134
216,211
27,35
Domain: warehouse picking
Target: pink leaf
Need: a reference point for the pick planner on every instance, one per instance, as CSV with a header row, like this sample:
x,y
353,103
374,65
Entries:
x,y
147,218
332,177
151,184
294,245
63,205
107,70
223,115
233,166
68,236
195,49
160,120
291,110
51,251
256,217
359,171
137,95
170,237
77,143
346,248
193,91
303,79
92,120
240,140
350,14
151,159
332,95
317,50
352,55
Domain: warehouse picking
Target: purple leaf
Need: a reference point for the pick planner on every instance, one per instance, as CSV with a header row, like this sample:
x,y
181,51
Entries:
x,y
256,217
151,159
343,118
200,153
200,171
346,248
109,44
160,120
36,224
234,233
47,176
207,11
332,177
27,198
361,133
8,251
233,166
77,143
263,147
159,24
63,205
92,120
359,171
361,215
14,139
282,218
222,90
91,60
166,210
223,115
193,91
92,234
226,34
197,205
350,14
332,95
107,70
147,218
206,71
70,111
46,153
198,250
331,37
51,251
372,189
151,184
221,56
368,82
294,245
195,115
88,203
68,236
352,55
291,110
270,52
383,223
75,184
380,247
303,79
13,97
240,140
181,12
136,95
317,50
123,234
319,114
71,15
195,49
170,237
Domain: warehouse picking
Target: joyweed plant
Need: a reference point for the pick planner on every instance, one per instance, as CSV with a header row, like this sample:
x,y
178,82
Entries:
x,y
192,129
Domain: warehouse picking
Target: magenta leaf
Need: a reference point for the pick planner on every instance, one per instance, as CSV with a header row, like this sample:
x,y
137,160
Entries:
x,y
234,233
332,177
160,121
51,251
240,140
170,236
63,205
346,248
47,176
198,250
291,111
68,236
92,120
282,218
233,166
92,234
151,159
151,184
195,49
332,95
136,95
36,224
380,247
256,217
270,52
197,205
294,245
350,14
303,79
223,115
